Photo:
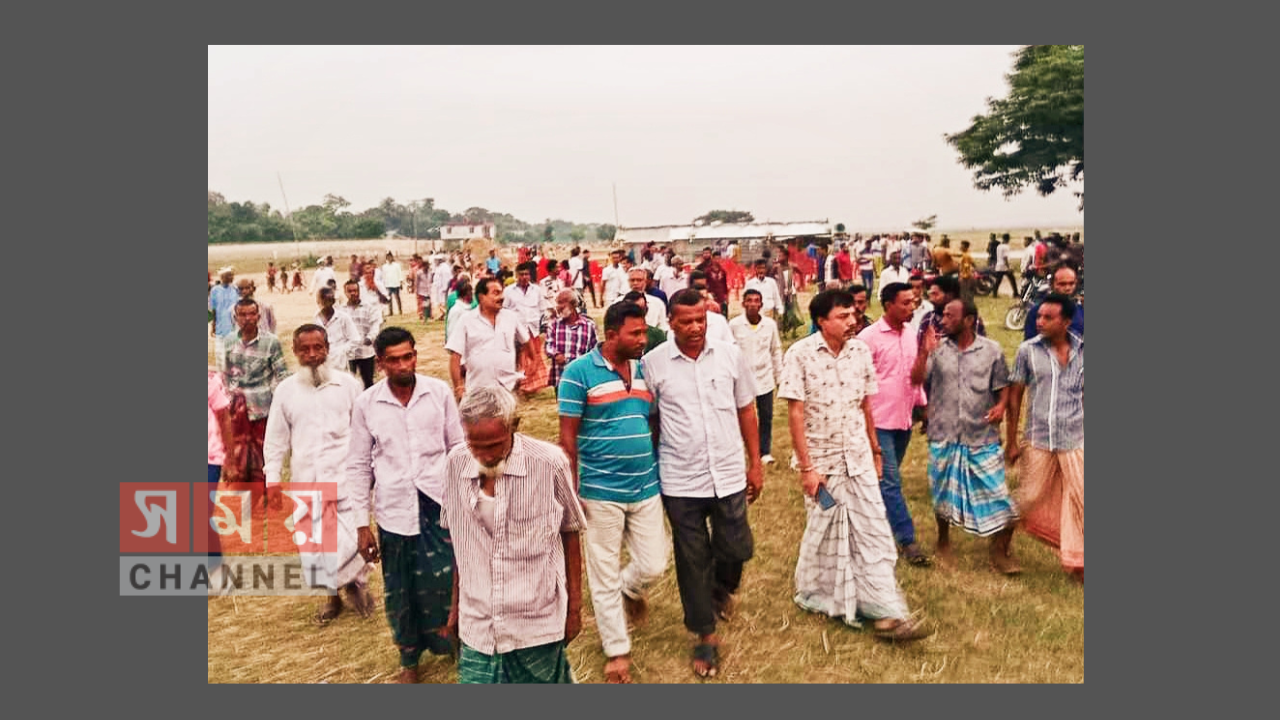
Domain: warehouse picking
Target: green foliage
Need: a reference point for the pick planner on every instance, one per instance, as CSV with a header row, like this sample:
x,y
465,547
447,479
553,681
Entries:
x,y
926,224
577,234
727,216
1035,136
606,232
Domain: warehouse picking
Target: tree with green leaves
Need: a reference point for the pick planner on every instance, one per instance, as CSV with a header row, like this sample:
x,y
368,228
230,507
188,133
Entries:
x,y
925,224
726,216
1035,136
606,232
577,234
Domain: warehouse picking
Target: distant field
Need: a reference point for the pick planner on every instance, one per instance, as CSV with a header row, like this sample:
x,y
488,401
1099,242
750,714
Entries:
x,y
253,257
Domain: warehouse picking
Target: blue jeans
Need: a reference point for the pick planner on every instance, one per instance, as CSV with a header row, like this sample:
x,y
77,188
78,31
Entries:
x,y
893,445
868,277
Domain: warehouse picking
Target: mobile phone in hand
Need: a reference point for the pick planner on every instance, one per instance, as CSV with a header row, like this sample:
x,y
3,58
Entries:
x,y
825,501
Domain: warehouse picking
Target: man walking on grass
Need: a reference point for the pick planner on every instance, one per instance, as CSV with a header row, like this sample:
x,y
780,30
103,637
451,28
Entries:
x,y
605,406
966,378
252,364
893,352
515,522
704,398
847,553
368,321
757,337
401,432
1051,491
310,423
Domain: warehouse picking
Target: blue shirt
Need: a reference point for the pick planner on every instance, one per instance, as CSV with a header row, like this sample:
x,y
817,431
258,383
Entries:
x,y
1077,322
616,462
222,301
493,264
1055,394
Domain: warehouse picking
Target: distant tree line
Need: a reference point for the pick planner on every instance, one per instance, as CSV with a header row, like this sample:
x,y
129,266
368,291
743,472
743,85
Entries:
x,y
237,222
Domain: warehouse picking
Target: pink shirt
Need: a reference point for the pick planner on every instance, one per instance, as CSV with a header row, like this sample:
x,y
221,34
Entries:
x,y
218,400
893,354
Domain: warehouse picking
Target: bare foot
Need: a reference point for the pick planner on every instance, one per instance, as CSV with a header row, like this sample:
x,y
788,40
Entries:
x,y
618,670
637,610
330,610
945,556
408,676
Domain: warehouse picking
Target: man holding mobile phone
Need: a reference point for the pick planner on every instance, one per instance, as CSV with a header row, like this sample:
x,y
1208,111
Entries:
x,y
848,553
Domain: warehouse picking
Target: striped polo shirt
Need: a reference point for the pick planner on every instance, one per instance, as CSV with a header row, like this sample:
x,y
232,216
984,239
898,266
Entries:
x,y
616,462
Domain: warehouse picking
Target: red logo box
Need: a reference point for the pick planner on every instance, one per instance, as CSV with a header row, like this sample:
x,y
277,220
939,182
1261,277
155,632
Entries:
x,y
237,519
155,517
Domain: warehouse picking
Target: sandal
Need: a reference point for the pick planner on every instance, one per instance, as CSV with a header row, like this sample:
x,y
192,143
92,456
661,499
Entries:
x,y
905,631
709,655
916,556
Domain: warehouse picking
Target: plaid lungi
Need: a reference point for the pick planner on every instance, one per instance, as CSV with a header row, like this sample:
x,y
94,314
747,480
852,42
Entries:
x,y
542,664
968,487
418,574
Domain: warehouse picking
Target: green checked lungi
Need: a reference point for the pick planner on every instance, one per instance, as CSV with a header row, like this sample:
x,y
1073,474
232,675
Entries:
x,y
542,664
418,574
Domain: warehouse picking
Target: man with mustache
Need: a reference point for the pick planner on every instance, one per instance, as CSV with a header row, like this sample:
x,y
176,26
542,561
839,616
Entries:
x,y
402,429
510,507
310,421
705,406
570,336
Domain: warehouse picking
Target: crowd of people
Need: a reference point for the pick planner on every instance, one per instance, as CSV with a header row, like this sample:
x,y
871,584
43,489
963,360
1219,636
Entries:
x,y
665,419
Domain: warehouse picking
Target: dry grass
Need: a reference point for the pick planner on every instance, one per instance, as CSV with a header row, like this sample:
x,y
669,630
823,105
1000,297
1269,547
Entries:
x,y
990,628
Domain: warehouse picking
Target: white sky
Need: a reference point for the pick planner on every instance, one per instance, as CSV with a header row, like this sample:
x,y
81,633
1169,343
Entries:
x,y
853,134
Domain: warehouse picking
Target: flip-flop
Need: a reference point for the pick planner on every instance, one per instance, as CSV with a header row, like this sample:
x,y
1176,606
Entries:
x,y
905,631
710,655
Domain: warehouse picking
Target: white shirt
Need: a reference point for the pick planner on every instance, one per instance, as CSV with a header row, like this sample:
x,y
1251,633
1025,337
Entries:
x,y
440,277
1002,257
392,274
669,281
489,351
343,338
889,275
763,349
321,278
655,314
456,312
528,304
369,297
700,448
368,321
718,328
401,450
615,283
576,272
768,288
312,426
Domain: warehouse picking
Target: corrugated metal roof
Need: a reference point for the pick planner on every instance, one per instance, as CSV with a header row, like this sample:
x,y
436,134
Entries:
x,y
724,231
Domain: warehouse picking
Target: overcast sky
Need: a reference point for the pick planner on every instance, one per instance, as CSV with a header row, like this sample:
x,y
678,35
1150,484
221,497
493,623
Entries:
x,y
852,134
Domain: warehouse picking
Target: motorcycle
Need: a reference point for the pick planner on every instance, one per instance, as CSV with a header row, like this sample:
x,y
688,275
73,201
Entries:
x,y
1032,292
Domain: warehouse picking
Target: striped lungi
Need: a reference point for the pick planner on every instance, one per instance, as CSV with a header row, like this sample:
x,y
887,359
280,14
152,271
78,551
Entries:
x,y
848,555
967,482
542,664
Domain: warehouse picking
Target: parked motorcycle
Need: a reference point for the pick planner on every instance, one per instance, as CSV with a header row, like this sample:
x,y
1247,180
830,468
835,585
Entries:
x,y
1033,291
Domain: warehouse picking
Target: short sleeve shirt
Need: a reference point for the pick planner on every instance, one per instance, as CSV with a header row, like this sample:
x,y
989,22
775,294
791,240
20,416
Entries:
x,y
489,351
1055,406
616,462
832,387
963,385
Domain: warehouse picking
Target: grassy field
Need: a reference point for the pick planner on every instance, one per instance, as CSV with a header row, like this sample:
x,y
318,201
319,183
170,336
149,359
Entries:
x,y
990,628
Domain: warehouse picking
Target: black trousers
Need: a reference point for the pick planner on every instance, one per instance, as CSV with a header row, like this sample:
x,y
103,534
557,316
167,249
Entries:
x,y
764,413
708,562
365,369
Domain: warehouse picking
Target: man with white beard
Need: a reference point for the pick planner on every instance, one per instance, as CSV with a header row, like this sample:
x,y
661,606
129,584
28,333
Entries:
x,y
310,421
